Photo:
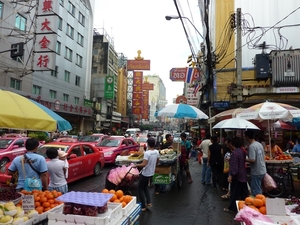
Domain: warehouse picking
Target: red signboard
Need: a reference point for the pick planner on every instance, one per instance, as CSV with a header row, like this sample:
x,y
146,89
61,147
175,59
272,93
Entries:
x,y
181,99
137,88
137,102
136,110
138,65
180,74
148,86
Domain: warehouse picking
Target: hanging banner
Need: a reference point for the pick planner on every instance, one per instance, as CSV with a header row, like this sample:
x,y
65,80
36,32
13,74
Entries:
x,y
109,87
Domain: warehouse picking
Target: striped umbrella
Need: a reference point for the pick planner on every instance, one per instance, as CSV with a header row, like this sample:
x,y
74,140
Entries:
x,y
181,111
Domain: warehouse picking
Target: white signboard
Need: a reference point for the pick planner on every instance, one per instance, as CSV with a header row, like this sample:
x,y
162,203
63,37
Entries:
x,y
44,61
46,43
28,203
48,7
287,90
46,24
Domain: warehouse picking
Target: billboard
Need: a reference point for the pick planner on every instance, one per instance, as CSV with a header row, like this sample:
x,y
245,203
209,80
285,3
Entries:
x,y
138,65
187,75
109,87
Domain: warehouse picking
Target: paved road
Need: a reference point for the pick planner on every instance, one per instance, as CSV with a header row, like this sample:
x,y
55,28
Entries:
x,y
193,204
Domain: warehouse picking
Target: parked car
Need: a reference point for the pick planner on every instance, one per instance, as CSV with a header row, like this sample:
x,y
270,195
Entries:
x,y
93,139
117,145
143,142
84,159
10,147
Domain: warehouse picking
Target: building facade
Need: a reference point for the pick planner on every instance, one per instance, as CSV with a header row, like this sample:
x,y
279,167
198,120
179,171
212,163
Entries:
x,y
63,87
157,96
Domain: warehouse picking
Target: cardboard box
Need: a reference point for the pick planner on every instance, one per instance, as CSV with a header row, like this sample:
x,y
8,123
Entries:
x,y
163,169
176,146
161,178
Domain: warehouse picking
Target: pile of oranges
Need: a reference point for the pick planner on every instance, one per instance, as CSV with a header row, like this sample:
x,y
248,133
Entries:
x,y
43,200
257,203
118,196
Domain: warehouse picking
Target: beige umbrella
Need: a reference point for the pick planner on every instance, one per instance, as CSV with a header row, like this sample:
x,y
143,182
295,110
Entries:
x,y
228,114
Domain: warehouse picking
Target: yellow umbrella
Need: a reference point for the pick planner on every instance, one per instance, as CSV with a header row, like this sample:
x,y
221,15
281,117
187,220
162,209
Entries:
x,y
18,112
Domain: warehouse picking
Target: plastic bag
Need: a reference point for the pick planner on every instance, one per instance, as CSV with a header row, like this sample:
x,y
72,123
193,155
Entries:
x,y
268,183
247,215
226,167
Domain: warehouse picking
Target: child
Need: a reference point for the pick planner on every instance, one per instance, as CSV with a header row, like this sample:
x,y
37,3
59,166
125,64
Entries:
x,y
63,156
56,170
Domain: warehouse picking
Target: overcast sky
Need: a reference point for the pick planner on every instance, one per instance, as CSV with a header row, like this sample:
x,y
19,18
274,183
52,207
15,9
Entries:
x,y
141,25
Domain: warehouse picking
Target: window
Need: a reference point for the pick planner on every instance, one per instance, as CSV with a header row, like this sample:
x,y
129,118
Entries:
x,y
81,18
15,84
61,2
94,69
36,90
79,60
77,81
54,72
60,22
66,97
20,22
71,8
70,31
76,100
67,76
57,48
68,54
52,94
1,10
80,39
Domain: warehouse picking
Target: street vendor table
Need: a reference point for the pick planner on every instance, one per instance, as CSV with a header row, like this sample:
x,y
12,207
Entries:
x,y
127,160
282,171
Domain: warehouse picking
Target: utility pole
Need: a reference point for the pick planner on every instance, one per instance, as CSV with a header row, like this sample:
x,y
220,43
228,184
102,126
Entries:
x,y
239,56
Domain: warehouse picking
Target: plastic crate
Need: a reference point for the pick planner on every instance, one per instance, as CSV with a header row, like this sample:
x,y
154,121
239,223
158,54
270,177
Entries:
x,y
133,215
111,217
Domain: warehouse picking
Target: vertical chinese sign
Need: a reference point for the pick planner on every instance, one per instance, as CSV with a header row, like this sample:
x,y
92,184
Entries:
x,y
146,88
109,87
46,37
137,93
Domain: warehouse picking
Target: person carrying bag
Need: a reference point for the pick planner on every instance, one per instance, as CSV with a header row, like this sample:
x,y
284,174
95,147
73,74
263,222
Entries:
x,y
31,168
34,183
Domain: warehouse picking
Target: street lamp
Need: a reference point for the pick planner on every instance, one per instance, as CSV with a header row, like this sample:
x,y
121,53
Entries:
x,y
177,17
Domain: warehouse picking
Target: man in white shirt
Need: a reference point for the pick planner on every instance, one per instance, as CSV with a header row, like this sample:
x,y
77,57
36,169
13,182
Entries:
x,y
206,170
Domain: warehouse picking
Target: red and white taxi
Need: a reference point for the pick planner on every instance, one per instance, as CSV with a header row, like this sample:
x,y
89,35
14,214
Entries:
x,y
11,145
117,145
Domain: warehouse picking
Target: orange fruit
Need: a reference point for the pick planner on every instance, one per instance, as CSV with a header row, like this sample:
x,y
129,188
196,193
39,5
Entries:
x,y
258,202
59,193
43,199
263,210
260,196
46,204
52,205
36,204
47,209
105,190
40,209
119,193
51,201
117,201
49,196
113,198
112,191
121,199
241,204
37,198
253,207
124,204
127,198
249,201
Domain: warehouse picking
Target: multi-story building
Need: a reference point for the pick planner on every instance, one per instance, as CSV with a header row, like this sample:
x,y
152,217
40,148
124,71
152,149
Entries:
x,y
105,71
61,81
157,96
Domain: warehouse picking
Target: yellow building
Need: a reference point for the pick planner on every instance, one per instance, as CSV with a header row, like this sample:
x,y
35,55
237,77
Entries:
x,y
253,90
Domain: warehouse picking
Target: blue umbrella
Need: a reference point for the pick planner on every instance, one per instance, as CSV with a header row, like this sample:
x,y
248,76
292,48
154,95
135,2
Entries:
x,y
62,124
181,111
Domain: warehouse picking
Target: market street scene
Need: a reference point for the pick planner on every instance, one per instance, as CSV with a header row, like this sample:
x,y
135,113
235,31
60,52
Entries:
x,y
149,112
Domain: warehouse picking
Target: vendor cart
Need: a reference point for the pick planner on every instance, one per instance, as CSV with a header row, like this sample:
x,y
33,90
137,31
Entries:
x,y
168,170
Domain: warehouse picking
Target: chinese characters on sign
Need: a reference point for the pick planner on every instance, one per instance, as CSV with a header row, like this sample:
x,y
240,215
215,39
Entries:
x,y
137,94
46,38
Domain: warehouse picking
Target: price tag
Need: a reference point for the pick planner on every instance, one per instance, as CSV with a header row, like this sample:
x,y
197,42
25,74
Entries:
x,y
28,202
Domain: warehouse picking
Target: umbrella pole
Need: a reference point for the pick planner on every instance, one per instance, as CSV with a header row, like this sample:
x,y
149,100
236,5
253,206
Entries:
x,y
269,131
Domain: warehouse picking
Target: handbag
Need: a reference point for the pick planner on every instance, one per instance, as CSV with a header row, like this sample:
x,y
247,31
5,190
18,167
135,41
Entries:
x,y
268,183
31,184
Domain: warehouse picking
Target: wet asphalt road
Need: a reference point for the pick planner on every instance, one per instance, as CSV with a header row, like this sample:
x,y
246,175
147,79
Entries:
x,y
193,204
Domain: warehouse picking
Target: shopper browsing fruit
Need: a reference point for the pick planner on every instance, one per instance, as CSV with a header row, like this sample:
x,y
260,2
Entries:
x,y
57,172
149,163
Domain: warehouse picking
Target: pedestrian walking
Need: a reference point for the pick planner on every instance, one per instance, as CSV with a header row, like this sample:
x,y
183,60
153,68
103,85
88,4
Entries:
x,y
215,161
184,157
256,158
150,161
57,172
206,171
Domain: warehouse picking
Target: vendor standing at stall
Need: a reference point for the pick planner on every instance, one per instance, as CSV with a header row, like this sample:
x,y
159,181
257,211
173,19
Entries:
x,y
275,149
149,164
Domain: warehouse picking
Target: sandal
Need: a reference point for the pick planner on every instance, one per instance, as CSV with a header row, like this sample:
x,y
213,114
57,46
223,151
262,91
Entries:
x,y
144,209
225,196
149,205
227,210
